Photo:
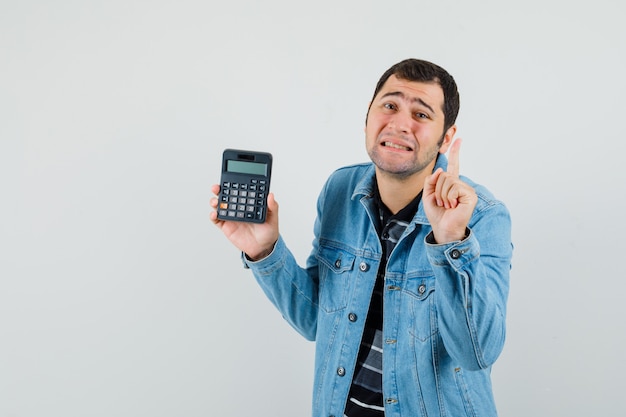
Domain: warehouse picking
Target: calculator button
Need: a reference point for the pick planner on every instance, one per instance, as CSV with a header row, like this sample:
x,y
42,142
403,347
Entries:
x,y
243,200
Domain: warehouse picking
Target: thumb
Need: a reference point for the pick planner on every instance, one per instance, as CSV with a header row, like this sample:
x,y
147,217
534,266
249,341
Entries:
x,y
272,208
272,204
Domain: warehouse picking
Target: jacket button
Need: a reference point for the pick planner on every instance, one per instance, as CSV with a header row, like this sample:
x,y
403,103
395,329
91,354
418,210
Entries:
x,y
456,254
364,267
338,263
341,371
352,317
421,289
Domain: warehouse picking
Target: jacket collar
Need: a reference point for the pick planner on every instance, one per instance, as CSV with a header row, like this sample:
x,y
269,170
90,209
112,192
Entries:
x,y
365,187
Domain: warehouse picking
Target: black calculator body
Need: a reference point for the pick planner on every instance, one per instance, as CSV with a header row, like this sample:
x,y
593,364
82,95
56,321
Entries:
x,y
244,186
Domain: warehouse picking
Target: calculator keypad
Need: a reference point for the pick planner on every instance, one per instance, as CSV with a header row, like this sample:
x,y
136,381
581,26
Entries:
x,y
243,201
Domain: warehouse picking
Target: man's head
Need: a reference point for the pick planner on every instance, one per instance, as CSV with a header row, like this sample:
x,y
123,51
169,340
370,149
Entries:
x,y
410,119
423,71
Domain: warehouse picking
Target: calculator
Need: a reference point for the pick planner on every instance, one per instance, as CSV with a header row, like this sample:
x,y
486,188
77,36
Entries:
x,y
244,186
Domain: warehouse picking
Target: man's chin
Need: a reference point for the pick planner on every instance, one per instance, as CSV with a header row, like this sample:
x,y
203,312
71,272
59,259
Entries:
x,y
395,171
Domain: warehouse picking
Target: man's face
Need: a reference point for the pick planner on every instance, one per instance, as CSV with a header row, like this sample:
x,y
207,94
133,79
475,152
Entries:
x,y
404,129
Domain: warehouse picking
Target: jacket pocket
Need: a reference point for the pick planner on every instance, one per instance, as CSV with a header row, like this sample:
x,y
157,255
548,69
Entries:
x,y
464,393
336,266
419,293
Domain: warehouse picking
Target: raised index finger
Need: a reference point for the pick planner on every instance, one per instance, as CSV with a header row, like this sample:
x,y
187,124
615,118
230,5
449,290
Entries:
x,y
453,158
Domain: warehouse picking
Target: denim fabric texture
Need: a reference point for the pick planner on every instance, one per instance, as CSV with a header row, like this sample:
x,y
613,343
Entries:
x,y
444,304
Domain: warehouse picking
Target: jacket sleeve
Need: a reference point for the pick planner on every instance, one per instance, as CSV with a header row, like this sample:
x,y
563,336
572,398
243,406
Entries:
x,y
292,289
472,279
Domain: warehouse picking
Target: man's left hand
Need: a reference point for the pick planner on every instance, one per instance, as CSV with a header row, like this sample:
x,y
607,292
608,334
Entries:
x,y
448,201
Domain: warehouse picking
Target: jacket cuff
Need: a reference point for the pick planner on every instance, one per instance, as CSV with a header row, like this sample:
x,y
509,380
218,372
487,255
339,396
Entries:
x,y
247,262
457,253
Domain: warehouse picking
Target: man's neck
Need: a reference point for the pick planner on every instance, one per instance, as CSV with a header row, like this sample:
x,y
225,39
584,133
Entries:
x,y
397,193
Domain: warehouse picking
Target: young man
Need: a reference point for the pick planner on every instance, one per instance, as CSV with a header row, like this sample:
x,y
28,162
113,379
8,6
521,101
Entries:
x,y
405,289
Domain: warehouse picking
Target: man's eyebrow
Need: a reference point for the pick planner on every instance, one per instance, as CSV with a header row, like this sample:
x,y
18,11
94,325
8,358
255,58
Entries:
x,y
401,95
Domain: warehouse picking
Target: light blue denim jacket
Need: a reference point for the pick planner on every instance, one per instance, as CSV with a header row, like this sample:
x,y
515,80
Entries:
x,y
444,305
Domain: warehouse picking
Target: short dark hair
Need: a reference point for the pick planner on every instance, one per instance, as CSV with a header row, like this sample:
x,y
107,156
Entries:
x,y
423,71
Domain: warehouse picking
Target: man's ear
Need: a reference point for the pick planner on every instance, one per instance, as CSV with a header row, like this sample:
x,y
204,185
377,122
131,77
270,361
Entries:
x,y
447,139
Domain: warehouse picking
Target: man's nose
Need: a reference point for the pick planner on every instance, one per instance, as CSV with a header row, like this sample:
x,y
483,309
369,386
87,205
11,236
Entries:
x,y
402,122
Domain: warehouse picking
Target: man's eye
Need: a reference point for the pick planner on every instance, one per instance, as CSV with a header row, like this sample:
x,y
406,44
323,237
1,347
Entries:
x,y
421,115
389,106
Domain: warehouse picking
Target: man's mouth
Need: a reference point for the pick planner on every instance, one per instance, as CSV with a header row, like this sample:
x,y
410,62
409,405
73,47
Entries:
x,y
396,146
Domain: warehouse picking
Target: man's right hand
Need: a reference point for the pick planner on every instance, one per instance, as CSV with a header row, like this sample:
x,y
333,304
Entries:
x,y
254,239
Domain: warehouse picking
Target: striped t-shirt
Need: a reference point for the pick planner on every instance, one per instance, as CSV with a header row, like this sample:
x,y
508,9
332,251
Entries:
x,y
365,398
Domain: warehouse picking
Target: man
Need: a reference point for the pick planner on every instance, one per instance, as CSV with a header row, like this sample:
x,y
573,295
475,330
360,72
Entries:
x,y
405,288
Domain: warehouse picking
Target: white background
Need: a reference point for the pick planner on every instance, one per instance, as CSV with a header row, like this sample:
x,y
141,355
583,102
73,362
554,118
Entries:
x,y
119,298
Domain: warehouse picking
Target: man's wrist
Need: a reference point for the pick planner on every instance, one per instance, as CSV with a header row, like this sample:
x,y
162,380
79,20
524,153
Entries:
x,y
261,255
432,239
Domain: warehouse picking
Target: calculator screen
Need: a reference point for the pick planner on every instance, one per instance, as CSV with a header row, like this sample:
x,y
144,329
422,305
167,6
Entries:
x,y
243,167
